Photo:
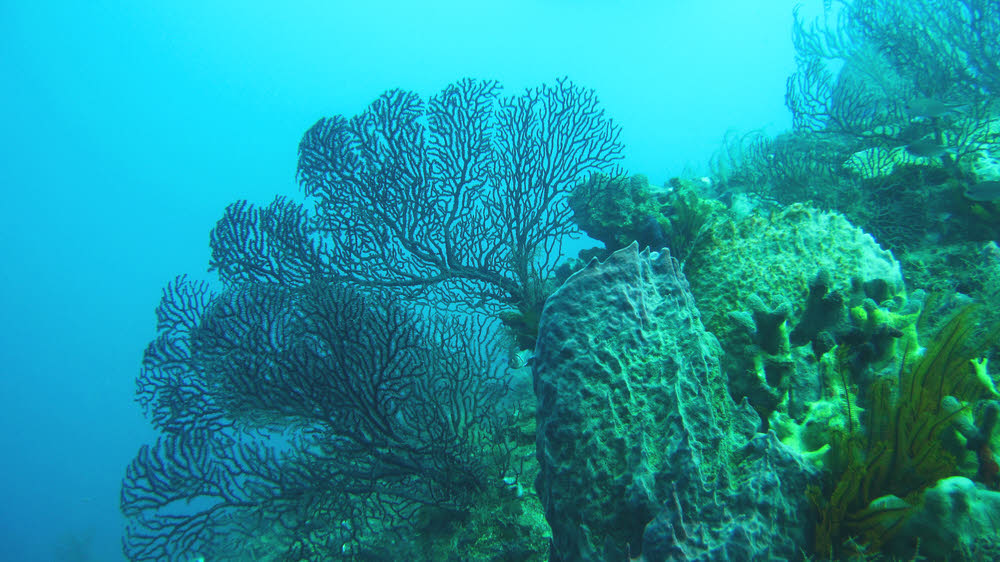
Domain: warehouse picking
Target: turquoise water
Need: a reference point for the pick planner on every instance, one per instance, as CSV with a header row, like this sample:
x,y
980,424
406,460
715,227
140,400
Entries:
x,y
128,127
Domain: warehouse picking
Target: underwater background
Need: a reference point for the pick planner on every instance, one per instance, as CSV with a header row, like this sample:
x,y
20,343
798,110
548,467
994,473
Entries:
x,y
129,129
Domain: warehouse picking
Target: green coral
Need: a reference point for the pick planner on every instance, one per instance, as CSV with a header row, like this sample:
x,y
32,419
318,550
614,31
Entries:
x,y
770,364
779,254
812,437
899,452
764,374
619,210
616,210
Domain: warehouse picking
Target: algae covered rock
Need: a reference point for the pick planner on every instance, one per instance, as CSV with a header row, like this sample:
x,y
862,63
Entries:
x,y
641,449
956,520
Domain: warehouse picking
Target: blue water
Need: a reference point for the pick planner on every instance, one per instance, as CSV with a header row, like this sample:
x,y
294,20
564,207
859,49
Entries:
x,y
127,128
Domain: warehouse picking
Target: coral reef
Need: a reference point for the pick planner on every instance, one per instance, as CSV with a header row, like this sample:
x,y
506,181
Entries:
x,y
900,450
387,416
955,520
620,210
778,255
739,372
323,403
671,469
767,285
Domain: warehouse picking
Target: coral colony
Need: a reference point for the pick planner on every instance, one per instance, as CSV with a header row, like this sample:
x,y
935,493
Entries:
x,y
787,360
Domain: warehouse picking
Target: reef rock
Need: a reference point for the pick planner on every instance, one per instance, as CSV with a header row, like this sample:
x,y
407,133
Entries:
x,y
642,451
955,521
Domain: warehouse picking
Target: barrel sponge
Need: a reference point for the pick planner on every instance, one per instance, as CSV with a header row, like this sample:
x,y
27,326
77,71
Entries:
x,y
776,256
